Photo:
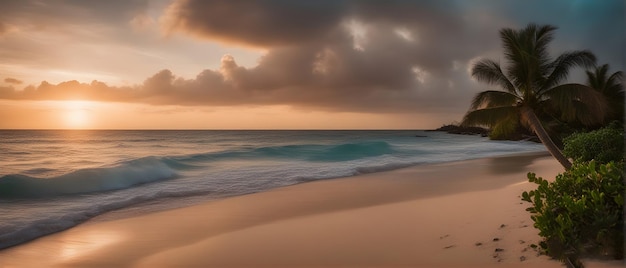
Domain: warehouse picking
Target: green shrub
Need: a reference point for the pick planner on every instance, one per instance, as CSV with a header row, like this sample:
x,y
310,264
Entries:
x,y
581,212
603,145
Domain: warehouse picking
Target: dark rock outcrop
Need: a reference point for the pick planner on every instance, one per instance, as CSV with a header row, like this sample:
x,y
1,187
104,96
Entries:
x,y
454,129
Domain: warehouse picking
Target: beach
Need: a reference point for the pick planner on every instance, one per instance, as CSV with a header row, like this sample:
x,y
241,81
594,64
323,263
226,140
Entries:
x,y
194,133
455,214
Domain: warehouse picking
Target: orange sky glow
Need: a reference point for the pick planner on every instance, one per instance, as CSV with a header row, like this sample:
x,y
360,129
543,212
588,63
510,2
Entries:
x,y
74,114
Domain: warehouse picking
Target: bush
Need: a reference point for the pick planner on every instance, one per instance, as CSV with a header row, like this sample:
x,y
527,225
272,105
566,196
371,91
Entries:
x,y
581,212
603,145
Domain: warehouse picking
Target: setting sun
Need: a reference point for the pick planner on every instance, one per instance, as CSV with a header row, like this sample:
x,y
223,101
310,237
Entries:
x,y
76,114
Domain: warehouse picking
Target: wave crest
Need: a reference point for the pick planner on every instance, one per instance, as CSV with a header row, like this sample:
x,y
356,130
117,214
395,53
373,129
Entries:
x,y
124,175
152,169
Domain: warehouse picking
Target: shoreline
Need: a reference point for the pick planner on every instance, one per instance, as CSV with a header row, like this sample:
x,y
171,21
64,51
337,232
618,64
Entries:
x,y
425,215
128,212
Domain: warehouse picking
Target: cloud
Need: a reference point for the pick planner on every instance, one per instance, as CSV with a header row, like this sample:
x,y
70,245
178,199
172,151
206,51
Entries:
x,y
334,78
14,81
316,58
406,55
342,55
312,60
70,90
258,23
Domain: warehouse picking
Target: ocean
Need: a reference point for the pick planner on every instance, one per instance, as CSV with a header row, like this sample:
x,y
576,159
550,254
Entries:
x,y
51,180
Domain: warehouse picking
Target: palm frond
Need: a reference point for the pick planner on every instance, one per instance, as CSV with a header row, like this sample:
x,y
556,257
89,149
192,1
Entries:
x,y
514,54
593,80
583,114
493,98
510,44
596,78
570,98
614,82
543,35
611,88
561,66
490,72
490,116
527,53
616,77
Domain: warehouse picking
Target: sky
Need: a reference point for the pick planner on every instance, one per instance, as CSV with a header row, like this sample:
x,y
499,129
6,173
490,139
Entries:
x,y
269,64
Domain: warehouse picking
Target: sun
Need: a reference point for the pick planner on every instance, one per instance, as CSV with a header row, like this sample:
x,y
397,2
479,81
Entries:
x,y
76,114
76,119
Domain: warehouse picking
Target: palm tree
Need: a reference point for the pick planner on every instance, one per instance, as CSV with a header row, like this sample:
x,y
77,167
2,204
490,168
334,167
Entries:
x,y
531,85
611,88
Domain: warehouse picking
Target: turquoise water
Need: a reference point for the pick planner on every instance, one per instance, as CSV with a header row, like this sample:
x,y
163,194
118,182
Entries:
x,y
53,180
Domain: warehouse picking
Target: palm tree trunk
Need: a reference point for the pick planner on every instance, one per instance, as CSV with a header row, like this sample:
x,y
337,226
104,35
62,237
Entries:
x,y
541,132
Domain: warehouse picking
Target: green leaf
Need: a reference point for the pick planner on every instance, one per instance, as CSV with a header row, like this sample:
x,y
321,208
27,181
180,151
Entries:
x,y
581,207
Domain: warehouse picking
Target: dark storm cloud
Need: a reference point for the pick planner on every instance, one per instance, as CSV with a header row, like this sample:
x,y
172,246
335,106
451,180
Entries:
x,y
259,23
314,59
372,56
271,23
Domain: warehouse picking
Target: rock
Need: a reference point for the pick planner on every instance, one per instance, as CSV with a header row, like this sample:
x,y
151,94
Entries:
x,y
478,244
454,129
496,239
522,258
499,250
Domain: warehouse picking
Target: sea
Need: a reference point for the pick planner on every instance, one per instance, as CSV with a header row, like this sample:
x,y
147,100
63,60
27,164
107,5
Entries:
x,y
51,180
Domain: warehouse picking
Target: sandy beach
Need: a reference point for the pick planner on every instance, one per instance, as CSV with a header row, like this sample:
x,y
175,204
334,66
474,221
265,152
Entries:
x,y
459,214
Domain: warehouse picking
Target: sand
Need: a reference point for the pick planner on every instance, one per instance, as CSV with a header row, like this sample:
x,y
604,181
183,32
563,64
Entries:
x,y
460,214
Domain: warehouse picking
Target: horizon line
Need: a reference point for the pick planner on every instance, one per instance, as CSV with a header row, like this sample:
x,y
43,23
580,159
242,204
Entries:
x,y
208,129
